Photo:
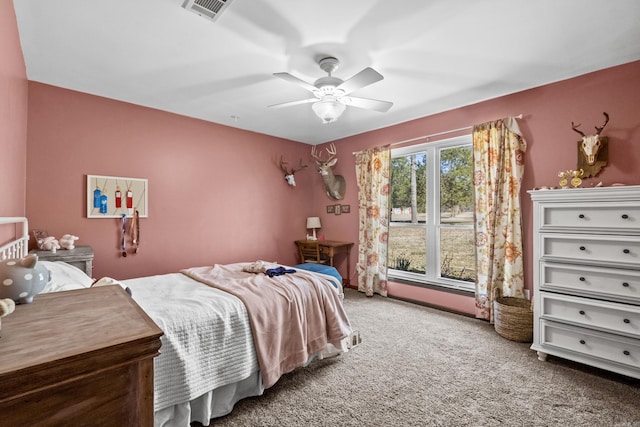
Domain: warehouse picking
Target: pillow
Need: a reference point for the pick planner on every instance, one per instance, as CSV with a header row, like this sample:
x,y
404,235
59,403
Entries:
x,y
64,277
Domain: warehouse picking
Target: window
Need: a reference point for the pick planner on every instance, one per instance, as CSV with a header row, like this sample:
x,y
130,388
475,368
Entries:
x,y
431,234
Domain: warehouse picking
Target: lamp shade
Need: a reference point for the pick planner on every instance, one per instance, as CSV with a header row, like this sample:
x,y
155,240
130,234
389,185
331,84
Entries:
x,y
328,109
313,222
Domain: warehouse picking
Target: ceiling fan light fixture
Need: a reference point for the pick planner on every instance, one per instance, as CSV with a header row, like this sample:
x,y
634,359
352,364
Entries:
x,y
331,93
329,110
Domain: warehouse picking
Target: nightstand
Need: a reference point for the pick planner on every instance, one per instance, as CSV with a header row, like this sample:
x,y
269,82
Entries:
x,y
80,256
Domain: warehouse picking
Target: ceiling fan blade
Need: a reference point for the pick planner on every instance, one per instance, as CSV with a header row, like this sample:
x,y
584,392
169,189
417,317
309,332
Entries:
x,y
363,78
289,104
369,104
293,79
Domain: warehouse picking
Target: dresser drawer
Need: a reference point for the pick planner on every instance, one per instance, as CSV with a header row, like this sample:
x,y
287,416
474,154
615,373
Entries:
x,y
607,316
610,216
617,251
612,284
625,351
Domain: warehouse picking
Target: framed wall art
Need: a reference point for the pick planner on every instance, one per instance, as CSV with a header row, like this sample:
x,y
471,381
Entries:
x,y
112,197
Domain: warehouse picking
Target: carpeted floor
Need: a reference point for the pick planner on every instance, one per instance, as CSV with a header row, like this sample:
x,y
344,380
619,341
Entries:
x,y
419,366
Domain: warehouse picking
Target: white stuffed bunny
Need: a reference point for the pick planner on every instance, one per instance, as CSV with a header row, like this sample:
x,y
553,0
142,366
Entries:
x,y
49,243
68,241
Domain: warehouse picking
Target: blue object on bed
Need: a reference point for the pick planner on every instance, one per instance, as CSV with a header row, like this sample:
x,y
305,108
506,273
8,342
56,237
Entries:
x,y
320,268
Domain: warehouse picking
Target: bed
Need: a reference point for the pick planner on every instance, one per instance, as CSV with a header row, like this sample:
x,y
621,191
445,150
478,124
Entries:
x,y
230,331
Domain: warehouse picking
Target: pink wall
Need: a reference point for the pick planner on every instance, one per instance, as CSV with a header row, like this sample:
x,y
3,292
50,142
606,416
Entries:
x,y
13,116
548,112
242,208
216,194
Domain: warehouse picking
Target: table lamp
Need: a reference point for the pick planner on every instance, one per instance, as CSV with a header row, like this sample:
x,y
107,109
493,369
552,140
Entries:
x,y
313,222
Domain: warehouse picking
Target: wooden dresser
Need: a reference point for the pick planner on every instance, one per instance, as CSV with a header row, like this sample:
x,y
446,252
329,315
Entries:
x,y
80,256
78,358
587,276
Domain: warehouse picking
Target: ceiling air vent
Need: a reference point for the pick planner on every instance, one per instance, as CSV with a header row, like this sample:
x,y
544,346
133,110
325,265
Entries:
x,y
210,9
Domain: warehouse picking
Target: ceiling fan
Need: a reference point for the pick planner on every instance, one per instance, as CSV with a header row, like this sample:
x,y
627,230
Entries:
x,y
331,94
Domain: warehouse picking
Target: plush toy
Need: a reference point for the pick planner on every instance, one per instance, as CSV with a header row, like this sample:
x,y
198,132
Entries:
x,y
22,279
68,241
49,243
106,281
7,306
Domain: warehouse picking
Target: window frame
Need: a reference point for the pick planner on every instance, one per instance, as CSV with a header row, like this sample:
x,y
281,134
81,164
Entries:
x,y
431,278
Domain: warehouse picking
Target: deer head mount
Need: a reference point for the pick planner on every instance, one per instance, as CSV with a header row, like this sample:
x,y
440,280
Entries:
x,y
334,184
288,173
592,149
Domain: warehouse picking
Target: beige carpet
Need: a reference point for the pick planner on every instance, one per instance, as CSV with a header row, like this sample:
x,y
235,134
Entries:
x,y
419,366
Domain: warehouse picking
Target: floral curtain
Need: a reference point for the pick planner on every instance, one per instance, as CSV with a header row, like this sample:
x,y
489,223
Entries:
x,y
372,171
498,158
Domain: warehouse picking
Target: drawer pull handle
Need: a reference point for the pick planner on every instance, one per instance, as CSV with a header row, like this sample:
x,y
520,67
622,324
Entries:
x,y
627,321
626,352
626,251
581,312
582,279
583,342
625,216
582,248
581,216
625,285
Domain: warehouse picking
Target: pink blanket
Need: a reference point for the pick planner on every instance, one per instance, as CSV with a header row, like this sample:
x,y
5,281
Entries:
x,y
292,316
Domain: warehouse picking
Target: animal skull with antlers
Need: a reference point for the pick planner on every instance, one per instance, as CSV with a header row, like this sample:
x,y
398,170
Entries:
x,y
334,184
288,174
591,143
592,149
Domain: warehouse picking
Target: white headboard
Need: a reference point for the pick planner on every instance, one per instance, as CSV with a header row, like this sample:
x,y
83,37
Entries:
x,y
19,247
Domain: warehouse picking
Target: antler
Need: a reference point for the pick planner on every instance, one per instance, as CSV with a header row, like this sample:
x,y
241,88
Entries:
x,y
294,170
331,150
314,154
282,166
599,129
300,167
575,128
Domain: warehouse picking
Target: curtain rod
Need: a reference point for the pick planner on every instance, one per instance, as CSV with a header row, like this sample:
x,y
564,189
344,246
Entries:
x,y
519,116
406,141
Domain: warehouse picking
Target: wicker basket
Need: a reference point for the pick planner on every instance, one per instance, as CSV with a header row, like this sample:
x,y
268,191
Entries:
x,y
513,318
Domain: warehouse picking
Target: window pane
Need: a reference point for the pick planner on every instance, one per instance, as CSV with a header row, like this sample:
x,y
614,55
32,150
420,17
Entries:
x,y
456,190
407,233
457,254
407,244
408,188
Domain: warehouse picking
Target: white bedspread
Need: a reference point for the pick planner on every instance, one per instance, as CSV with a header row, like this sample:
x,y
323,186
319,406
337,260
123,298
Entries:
x,y
205,329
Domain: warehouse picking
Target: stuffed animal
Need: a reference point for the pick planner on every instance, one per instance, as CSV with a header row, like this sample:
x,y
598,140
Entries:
x,y
49,243
106,281
22,279
68,241
7,306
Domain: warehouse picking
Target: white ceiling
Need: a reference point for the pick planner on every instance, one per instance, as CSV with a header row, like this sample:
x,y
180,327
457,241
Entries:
x,y
435,55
